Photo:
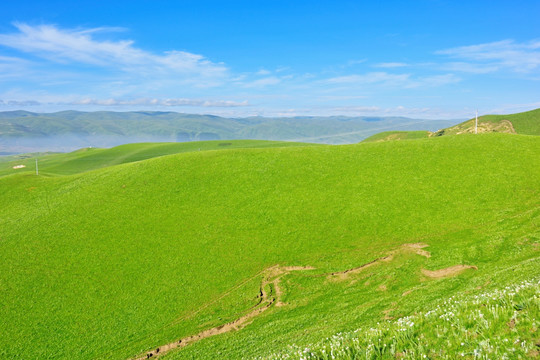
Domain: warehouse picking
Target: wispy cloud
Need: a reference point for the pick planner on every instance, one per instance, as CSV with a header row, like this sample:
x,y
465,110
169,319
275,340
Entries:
x,y
270,80
132,102
370,78
470,67
159,102
390,65
506,54
80,46
356,109
19,102
435,80
13,67
395,80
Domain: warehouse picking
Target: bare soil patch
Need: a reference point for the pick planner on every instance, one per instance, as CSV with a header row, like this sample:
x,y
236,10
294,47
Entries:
x,y
447,272
417,248
270,293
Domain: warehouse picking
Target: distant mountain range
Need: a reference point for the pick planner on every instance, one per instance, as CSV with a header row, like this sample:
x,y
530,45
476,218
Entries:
x,y
23,131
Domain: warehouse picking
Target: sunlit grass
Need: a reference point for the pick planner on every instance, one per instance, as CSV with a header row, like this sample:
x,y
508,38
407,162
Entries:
x,y
499,324
112,262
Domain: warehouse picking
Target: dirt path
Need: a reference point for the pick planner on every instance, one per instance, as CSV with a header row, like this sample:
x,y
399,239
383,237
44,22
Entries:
x,y
416,248
270,293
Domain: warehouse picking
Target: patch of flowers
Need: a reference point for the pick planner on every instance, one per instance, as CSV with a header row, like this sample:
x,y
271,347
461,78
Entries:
x,y
499,324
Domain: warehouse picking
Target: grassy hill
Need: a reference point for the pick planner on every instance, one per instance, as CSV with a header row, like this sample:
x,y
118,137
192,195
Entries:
x,y
397,135
300,242
93,158
525,123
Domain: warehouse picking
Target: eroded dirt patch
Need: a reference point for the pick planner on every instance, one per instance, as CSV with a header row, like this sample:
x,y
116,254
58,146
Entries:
x,y
447,272
270,294
417,248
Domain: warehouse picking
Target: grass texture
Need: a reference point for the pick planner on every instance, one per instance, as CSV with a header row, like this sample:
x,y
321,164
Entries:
x,y
110,263
94,158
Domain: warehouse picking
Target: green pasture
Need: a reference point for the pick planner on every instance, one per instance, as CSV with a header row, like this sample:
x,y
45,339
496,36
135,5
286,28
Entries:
x,y
397,135
94,158
525,123
110,263
498,324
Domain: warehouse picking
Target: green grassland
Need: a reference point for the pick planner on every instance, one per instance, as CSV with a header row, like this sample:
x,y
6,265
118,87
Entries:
x,y
93,158
525,123
498,324
397,135
113,262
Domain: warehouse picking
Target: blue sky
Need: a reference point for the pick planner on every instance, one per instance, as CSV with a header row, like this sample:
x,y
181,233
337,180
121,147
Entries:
x,y
423,59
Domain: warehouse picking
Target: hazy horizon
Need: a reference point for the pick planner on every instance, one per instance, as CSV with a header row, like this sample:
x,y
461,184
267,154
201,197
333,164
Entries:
x,y
68,131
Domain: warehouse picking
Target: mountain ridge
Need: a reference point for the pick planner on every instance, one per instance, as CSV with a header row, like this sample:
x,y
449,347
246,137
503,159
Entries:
x,y
22,131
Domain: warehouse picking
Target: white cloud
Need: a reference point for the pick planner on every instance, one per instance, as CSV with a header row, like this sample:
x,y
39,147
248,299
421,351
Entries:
x,y
508,54
12,67
356,109
132,102
434,81
159,102
79,46
370,78
470,68
390,65
341,97
271,80
395,80
19,102
355,62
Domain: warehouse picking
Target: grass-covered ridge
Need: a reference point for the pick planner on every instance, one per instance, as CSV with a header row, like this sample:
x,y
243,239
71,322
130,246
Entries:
x,y
117,261
525,123
93,158
397,135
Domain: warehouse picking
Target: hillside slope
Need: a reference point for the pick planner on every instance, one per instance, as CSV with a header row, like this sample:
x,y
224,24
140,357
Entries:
x,y
93,158
525,123
115,262
397,135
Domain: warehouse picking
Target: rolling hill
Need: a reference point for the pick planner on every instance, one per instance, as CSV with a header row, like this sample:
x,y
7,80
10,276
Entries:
x,y
242,253
525,123
93,158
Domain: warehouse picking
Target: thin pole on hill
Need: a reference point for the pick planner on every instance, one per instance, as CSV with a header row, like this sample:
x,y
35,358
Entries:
x,y
37,171
476,123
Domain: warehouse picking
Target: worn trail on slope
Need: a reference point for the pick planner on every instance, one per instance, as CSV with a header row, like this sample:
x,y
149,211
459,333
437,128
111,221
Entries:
x,y
270,294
